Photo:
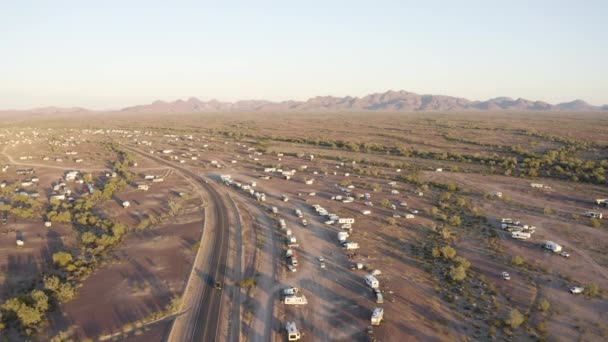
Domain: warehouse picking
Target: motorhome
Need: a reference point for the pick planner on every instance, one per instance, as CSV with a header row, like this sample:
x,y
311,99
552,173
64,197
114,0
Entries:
x,y
371,281
377,316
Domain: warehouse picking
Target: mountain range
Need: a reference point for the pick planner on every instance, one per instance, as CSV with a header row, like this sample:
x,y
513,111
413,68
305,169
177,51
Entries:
x,y
390,101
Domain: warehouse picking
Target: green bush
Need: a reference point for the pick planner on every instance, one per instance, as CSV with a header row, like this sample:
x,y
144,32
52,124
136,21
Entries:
x,y
515,319
517,260
62,258
247,283
458,273
448,252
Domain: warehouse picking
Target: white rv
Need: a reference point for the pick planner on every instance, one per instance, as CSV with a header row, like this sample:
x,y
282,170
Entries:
x,y
552,246
377,316
371,281
295,300
520,235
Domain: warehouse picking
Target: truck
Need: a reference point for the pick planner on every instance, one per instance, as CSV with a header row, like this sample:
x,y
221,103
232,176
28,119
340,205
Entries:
x,y
293,334
284,198
304,222
275,210
520,235
282,224
299,213
342,236
351,245
295,300
372,281
291,291
602,202
377,316
552,246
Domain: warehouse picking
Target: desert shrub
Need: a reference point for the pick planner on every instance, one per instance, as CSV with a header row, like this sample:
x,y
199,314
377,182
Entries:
x,y
247,283
591,290
595,223
62,258
455,221
544,305
517,260
195,247
458,273
515,319
391,221
462,261
448,252
435,252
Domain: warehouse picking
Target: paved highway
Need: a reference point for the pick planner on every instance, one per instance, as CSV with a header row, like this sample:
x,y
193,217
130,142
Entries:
x,y
203,315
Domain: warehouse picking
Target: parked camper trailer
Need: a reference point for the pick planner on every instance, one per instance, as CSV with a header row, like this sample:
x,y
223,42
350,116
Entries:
x,y
295,300
351,245
552,246
520,235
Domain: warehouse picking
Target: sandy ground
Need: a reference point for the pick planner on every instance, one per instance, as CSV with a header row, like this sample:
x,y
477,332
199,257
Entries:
x,y
151,268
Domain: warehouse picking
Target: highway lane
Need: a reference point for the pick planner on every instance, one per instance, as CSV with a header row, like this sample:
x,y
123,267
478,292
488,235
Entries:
x,y
204,314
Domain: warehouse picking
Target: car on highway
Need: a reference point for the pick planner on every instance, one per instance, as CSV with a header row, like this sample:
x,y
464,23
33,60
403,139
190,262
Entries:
x,y
565,254
506,276
321,259
217,285
322,265
577,290
292,268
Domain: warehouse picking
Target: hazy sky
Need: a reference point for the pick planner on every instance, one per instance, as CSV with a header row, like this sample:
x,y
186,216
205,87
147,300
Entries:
x,y
108,54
